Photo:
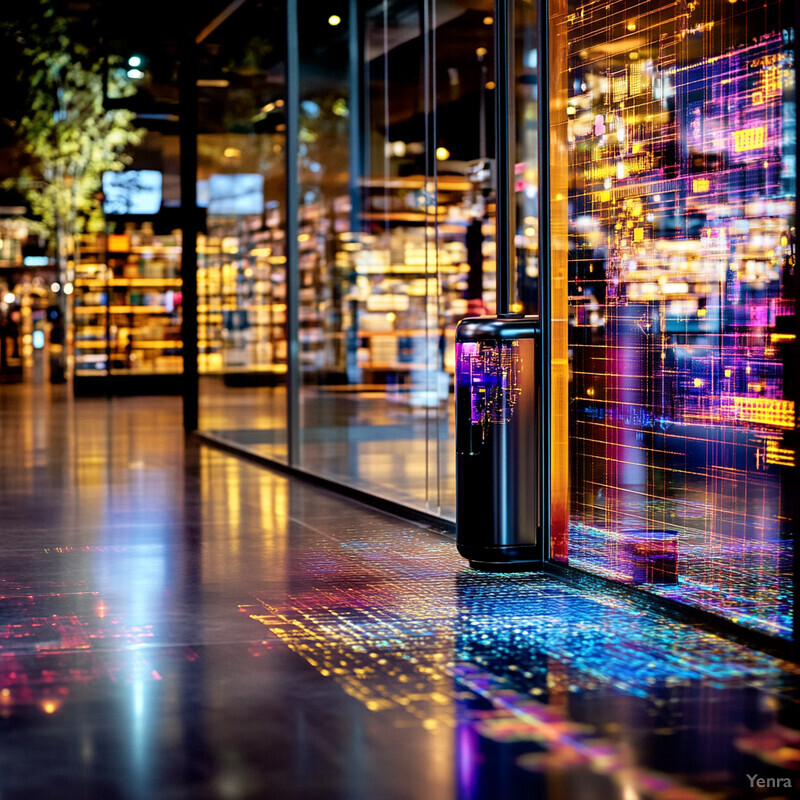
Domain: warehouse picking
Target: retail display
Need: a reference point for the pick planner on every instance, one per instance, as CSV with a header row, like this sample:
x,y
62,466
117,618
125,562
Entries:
x,y
242,299
127,306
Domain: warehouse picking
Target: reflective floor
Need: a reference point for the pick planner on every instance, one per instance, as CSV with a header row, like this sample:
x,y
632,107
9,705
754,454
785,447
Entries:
x,y
373,440
177,623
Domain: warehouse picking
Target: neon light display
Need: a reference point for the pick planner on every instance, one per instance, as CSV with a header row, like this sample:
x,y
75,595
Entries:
x,y
492,372
682,170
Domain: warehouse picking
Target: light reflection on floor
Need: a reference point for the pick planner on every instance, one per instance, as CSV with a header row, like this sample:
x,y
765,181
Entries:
x,y
530,662
131,666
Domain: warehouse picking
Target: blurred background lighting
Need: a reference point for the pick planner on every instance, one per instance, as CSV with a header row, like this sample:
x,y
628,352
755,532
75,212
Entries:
x,y
334,19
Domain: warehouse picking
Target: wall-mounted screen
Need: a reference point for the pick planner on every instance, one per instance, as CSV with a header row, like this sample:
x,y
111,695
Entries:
x,y
135,191
234,195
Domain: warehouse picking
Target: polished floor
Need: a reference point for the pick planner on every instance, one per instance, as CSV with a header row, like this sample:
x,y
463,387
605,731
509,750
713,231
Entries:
x,y
178,623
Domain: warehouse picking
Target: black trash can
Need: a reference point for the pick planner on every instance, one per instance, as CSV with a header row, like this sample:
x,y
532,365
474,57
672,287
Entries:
x,y
498,441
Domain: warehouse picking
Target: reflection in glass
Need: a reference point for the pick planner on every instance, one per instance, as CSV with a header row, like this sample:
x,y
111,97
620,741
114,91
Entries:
x,y
241,257
396,237
681,141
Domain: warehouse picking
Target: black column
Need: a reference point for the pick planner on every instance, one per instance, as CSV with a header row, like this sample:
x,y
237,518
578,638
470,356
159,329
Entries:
x,y
189,228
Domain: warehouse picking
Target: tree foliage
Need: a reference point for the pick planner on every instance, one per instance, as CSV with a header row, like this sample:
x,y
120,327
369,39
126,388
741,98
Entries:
x,y
70,135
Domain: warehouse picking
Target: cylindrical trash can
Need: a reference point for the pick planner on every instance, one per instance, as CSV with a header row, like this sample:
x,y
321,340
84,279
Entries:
x,y
497,442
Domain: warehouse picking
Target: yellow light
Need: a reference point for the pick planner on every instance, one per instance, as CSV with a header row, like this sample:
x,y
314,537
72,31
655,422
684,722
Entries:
x,y
442,153
334,20
631,26
763,410
700,185
49,707
590,392
701,312
728,373
481,52
488,20
749,139
698,382
231,152
490,85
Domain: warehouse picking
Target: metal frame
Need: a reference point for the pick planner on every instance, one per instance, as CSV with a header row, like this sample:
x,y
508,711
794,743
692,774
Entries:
x,y
189,229
505,146
293,410
545,267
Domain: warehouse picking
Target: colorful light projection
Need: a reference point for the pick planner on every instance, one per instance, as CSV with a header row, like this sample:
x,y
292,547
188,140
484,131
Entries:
x,y
682,169
579,676
490,373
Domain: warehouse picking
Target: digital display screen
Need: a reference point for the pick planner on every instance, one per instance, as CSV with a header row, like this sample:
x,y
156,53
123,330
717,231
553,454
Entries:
x,y
682,190
135,191
235,195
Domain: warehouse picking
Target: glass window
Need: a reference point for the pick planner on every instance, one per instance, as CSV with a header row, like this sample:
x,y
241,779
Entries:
x,y
241,272
674,173
396,237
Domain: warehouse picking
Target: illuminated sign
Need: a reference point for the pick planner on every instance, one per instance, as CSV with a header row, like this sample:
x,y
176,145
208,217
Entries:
x,y
765,411
749,139
236,194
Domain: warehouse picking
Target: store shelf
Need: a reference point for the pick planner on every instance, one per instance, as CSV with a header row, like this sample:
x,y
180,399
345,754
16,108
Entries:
x,y
131,322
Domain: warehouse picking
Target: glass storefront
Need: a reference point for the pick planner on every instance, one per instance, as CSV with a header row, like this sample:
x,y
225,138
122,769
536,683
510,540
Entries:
x,y
679,132
241,274
670,269
384,258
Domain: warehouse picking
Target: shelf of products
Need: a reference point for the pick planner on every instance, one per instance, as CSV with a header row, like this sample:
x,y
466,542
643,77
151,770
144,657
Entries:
x,y
242,298
377,308
127,306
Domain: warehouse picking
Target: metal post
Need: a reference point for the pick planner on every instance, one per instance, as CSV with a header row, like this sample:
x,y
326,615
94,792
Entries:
x,y
355,61
189,230
545,265
505,141
357,167
292,227
792,357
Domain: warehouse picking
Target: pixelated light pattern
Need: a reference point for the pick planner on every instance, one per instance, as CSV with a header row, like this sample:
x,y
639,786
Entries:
x,y
682,170
47,629
405,628
489,372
